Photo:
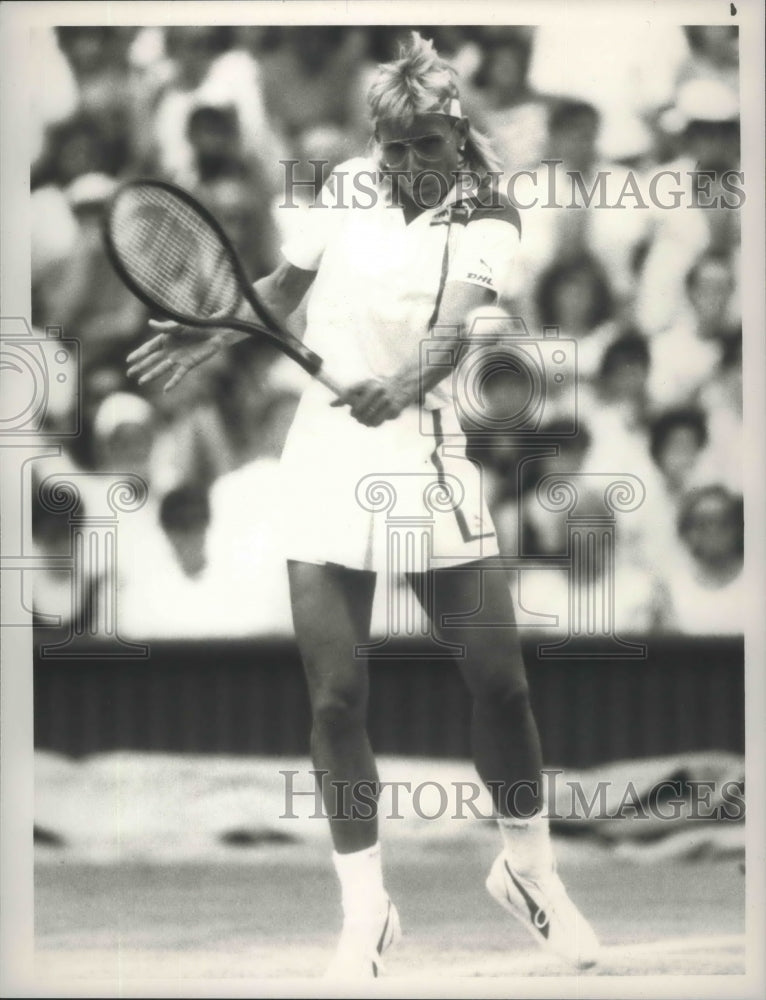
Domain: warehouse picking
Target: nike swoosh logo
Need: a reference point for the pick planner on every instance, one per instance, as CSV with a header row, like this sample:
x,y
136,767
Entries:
x,y
539,917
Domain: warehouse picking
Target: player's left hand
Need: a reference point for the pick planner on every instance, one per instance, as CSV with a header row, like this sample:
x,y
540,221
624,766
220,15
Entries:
x,y
374,401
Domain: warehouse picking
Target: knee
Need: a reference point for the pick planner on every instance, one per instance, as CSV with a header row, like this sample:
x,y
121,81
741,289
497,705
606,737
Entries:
x,y
338,708
502,691
494,671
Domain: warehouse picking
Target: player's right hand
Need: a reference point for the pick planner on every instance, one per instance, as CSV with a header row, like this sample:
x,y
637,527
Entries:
x,y
174,351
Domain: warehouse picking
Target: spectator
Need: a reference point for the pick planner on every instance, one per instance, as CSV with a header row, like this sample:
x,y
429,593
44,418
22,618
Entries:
x,y
98,57
575,296
248,395
714,54
615,407
216,142
228,181
57,278
185,518
677,439
623,373
124,441
191,52
123,428
723,460
709,288
667,459
163,593
108,317
706,121
196,586
685,356
707,587
73,283
76,146
97,382
513,115
626,73
124,431
171,594
53,89
191,443
310,77
235,81
579,219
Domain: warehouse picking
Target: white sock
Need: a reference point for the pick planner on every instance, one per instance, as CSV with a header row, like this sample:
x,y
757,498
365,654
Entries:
x,y
527,844
361,883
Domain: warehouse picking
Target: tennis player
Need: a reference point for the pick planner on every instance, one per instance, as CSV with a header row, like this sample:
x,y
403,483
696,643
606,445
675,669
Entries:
x,y
412,246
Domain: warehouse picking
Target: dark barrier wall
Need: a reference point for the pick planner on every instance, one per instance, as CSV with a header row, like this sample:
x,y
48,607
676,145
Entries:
x,y
249,698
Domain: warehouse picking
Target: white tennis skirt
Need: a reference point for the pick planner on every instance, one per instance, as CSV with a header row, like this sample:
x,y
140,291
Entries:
x,y
397,498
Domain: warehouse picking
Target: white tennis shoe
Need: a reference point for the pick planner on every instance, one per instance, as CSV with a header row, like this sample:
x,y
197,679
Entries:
x,y
361,947
546,911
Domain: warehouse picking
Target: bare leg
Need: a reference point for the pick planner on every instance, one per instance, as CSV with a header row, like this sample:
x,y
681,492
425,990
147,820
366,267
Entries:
x,y
332,606
523,878
506,743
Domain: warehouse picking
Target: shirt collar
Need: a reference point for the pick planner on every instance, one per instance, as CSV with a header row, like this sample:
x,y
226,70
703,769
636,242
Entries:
x,y
456,194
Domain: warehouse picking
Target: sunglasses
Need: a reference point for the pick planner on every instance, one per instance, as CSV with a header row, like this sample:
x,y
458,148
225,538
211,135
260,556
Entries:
x,y
427,148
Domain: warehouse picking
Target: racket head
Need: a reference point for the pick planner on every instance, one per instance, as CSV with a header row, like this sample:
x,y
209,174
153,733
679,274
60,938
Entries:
x,y
173,254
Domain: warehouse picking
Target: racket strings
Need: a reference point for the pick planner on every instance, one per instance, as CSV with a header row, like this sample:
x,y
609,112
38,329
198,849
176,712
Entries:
x,y
174,256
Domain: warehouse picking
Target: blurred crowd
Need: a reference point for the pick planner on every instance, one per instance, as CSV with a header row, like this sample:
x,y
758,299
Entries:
x,y
648,295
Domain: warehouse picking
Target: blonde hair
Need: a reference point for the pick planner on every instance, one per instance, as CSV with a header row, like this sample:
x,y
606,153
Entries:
x,y
421,82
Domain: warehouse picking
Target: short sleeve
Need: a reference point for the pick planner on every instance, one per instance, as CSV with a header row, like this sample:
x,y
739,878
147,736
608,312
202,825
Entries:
x,y
314,225
488,254
308,233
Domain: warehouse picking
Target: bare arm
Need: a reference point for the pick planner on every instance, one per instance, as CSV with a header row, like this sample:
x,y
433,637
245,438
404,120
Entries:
x,y
282,291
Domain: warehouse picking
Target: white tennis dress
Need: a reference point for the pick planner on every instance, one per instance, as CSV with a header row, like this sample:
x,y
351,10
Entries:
x,y
402,496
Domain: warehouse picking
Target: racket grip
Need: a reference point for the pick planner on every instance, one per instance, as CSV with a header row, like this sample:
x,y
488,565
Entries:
x,y
329,382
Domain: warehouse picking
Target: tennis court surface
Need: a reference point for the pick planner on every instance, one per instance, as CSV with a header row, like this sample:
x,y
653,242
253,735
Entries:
x,y
180,869
277,916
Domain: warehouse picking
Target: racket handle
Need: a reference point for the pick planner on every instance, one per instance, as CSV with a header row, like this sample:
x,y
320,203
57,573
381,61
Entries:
x,y
329,382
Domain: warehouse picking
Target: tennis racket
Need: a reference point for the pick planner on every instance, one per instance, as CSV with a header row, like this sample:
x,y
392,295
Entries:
x,y
174,256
